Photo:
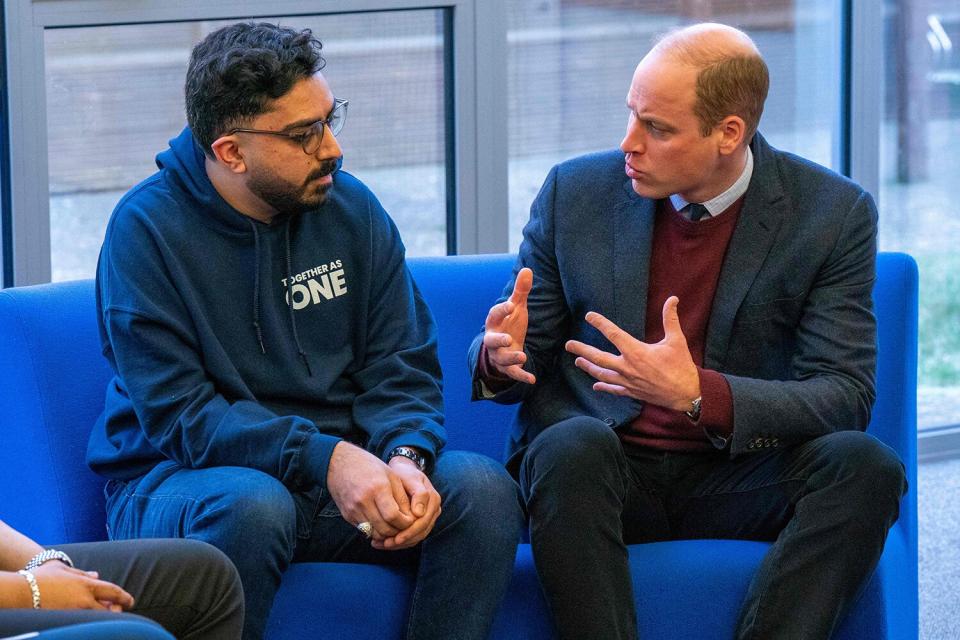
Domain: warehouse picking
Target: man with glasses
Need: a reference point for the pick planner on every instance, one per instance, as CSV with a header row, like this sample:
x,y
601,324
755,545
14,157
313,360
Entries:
x,y
277,390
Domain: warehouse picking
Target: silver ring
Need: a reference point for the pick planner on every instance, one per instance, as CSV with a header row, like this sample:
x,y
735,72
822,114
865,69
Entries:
x,y
366,529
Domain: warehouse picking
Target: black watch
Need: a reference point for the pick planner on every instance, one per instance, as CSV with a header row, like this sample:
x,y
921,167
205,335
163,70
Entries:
x,y
410,453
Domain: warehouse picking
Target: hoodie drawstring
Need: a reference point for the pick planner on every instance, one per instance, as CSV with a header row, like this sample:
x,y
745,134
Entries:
x,y
256,286
293,316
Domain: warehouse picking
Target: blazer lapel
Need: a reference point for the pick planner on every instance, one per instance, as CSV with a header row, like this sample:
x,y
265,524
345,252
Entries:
x,y
760,218
633,232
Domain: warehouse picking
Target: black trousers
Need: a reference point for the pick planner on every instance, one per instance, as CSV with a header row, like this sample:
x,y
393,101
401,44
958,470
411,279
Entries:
x,y
187,586
827,504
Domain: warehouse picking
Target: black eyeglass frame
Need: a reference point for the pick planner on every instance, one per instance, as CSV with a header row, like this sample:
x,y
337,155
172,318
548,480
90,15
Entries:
x,y
314,130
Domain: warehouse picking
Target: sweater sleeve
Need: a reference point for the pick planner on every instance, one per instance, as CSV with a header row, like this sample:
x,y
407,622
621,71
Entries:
x,y
716,407
401,399
151,342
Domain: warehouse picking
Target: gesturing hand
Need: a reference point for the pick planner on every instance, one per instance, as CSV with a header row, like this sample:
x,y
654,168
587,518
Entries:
x,y
365,489
63,587
506,329
424,504
662,374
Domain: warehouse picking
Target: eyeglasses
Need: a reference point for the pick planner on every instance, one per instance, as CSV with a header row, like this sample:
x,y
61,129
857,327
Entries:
x,y
311,136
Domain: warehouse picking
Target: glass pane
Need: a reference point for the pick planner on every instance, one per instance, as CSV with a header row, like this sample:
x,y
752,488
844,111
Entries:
x,y
919,168
570,63
115,97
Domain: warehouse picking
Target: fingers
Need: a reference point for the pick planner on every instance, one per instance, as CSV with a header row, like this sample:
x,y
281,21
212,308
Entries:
x,y
671,319
108,592
603,375
400,494
593,355
617,336
419,530
613,389
420,497
498,313
516,372
522,286
389,514
497,343
507,362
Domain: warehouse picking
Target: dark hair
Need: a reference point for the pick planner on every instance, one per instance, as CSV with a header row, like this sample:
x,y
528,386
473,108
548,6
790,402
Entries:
x,y
235,72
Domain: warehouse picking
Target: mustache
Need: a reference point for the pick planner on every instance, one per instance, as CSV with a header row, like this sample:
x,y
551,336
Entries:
x,y
328,167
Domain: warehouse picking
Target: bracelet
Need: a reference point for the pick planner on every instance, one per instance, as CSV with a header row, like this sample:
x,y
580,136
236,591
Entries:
x,y
46,556
34,589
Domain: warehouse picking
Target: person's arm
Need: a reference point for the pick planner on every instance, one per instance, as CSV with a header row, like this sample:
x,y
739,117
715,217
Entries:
x,y
400,400
832,386
149,338
548,318
59,586
16,549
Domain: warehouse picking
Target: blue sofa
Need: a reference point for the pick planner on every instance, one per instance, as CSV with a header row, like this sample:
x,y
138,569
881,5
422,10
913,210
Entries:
x,y
52,381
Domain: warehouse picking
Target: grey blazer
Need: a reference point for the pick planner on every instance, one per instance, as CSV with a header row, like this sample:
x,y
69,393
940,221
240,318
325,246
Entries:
x,y
792,326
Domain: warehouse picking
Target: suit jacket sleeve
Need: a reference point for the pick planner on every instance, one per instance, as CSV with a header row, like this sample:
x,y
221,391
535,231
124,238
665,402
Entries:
x,y
832,386
549,317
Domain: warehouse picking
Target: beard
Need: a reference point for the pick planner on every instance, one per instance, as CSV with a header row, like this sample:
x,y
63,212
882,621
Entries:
x,y
288,198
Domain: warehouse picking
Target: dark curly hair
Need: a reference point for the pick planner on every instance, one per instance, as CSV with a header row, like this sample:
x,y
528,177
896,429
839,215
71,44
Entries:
x,y
236,71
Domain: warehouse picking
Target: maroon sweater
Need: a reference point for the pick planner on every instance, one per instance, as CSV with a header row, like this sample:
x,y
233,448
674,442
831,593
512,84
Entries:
x,y
685,262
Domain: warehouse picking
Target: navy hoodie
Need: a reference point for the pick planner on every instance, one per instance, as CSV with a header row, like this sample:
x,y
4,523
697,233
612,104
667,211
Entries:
x,y
214,368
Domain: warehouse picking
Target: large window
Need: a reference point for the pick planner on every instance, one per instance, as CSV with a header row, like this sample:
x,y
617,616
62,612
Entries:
x,y
570,64
459,108
115,96
919,170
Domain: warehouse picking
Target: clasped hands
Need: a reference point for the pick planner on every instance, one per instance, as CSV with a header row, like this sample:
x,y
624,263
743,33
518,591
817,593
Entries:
x,y
396,498
662,373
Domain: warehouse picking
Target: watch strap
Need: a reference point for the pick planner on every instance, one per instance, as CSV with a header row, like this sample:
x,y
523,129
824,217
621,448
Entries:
x,y
46,556
410,453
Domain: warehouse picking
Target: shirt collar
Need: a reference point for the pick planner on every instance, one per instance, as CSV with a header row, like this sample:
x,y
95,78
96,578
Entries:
x,y
719,204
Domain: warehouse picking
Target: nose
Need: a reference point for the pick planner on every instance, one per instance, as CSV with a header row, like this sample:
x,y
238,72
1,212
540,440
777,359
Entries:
x,y
329,146
634,139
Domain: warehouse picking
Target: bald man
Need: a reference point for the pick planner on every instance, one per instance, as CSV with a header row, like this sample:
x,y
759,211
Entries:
x,y
690,333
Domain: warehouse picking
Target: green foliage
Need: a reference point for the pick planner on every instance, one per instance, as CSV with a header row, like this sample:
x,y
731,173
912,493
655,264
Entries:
x,y
939,319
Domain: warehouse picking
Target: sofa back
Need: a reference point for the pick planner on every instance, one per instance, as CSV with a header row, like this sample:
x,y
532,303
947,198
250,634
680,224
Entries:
x,y
53,377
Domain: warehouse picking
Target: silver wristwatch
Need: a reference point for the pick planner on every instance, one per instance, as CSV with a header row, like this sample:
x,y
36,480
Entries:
x,y
46,556
410,453
694,412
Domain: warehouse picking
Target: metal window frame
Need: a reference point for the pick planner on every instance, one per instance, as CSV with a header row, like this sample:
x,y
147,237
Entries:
x,y
476,59
863,92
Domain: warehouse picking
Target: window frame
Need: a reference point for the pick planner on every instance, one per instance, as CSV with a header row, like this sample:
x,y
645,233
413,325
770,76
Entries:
x,y
478,206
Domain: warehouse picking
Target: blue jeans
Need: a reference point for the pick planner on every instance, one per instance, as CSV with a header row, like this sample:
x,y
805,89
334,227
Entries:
x,y
238,509
827,504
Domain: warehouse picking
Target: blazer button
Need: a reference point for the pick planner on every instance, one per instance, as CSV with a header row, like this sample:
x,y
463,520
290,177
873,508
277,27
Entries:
x,y
609,421
751,444
776,443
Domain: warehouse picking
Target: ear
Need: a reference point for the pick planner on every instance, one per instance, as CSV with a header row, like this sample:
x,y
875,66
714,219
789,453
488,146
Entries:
x,y
226,150
732,133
